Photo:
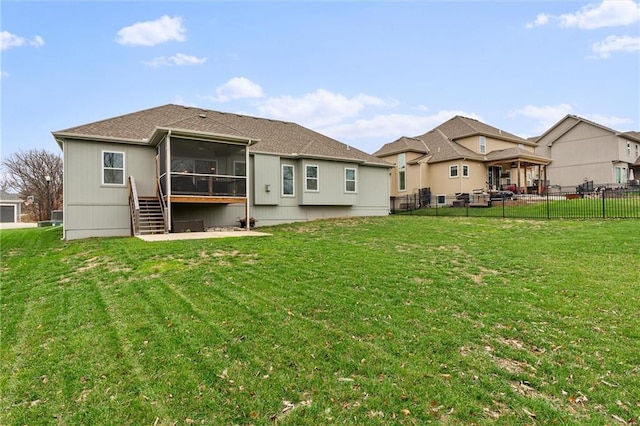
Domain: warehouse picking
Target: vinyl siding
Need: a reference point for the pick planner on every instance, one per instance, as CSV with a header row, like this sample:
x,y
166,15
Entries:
x,y
584,152
94,209
331,184
266,171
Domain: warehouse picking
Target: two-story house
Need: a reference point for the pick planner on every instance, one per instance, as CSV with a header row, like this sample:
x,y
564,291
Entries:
x,y
463,155
585,151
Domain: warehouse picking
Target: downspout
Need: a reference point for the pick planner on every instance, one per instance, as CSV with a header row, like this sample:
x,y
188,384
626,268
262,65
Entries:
x,y
168,177
64,191
247,169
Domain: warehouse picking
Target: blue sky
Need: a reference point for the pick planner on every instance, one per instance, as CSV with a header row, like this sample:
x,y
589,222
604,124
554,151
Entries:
x,y
363,72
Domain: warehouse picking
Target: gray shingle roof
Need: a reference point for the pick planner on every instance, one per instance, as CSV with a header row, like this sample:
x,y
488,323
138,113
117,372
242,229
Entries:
x,y
403,144
460,127
273,136
440,143
514,153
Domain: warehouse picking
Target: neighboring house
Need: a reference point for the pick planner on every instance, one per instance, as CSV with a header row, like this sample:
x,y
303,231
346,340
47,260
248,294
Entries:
x,y
10,207
585,151
462,155
209,167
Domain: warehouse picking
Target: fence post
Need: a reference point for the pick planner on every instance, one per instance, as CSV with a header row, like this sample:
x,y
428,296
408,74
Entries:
x,y
603,205
504,202
548,207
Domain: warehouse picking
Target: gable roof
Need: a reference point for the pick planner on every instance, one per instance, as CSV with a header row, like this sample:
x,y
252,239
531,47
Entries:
x,y
403,144
633,135
10,197
442,148
267,136
460,127
440,144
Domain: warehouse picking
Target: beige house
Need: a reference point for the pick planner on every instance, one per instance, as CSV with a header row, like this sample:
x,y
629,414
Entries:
x,y
174,168
585,151
462,155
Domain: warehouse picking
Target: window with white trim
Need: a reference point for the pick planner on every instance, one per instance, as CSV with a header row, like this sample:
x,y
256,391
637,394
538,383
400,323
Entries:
x,y
483,145
350,179
441,199
453,171
311,181
465,170
288,175
402,172
629,149
112,168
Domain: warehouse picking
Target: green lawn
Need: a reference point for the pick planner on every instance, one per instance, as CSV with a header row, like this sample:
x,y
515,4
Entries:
x,y
393,320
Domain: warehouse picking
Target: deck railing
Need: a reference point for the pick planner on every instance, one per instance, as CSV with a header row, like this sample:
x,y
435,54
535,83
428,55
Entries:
x,y
208,185
134,206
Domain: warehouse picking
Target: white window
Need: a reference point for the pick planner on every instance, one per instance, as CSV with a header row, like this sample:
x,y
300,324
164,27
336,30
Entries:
x,y
402,172
288,175
483,145
465,171
441,199
453,171
629,149
349,179
112,168
311,182
620,174
637,150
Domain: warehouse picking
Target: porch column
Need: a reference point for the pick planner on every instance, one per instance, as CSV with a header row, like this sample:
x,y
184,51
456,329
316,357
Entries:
x,y
539,180
519,171
168,178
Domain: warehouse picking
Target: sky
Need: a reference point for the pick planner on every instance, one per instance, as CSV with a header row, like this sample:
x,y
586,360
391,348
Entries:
x,y
362,72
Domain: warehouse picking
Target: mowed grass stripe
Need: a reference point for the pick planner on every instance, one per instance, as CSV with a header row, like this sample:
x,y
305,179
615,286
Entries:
x,y
405,320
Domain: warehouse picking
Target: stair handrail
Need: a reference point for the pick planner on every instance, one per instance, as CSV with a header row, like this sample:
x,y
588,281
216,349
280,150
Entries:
x,y
163,205
134,205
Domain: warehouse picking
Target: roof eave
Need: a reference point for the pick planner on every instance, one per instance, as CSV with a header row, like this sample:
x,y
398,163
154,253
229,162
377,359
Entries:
x,y
64,136
296,156
160,132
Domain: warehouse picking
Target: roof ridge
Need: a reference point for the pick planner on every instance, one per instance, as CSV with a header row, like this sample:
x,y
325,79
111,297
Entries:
x,y
233,113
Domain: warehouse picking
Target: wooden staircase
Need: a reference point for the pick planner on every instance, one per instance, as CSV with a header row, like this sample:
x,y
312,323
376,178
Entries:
x,y
147,213
150,218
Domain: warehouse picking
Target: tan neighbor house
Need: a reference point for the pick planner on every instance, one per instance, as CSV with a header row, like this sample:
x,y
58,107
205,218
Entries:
x,y
463,155
585,151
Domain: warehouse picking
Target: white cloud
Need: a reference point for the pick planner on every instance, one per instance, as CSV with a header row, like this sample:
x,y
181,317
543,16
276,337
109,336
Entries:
x,y
546,116
604,48
178,59
609,121
236,88
541,19
150,33
320,108
392,126
609,13
8,41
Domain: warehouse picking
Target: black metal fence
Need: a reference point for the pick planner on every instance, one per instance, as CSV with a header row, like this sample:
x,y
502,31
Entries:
x,y
598,203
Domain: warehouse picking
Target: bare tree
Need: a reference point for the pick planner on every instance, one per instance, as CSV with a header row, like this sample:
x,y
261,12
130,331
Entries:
x,y
35,175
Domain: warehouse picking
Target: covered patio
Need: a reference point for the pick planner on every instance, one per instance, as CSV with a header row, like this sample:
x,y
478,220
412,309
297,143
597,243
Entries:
x,y
529,168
